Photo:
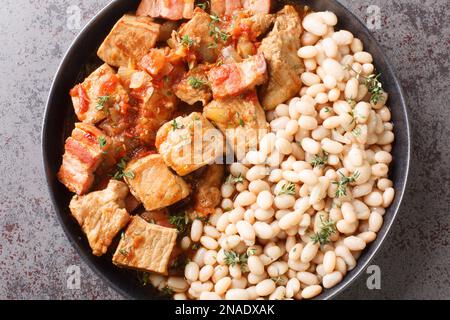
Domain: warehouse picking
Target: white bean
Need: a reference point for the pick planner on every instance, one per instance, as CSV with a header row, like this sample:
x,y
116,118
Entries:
x,y
388,197
307,52
237,294
354,243
263,230
332,279
245,198
265,288
311,291
191,271
245,230
309,252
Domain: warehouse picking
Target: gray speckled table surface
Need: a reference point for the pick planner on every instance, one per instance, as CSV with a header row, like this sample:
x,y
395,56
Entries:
x,y
34,252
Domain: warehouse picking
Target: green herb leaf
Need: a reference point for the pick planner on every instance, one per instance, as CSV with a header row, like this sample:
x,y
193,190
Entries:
x,y
186,41
375,88
196,83
232,179
343,182
176,125
123,252
101,102
167,291
129,174
357,131
288,188
212,45
214,18
202,6
121,165
181,222
327,228
102,142
145,278
320,161
232,258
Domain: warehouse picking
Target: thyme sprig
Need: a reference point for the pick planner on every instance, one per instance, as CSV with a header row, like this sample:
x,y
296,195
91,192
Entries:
x,y
196,83
232,179
320,161
327,228
373,84
121,173
288,188
232,258
343,182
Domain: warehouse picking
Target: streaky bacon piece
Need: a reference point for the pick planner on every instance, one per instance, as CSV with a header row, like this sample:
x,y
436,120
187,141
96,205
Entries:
x,y
83,155
234,78
168,9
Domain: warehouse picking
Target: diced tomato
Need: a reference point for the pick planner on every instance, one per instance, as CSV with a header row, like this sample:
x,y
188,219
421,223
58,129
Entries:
x,y
154,61
109,85
79,92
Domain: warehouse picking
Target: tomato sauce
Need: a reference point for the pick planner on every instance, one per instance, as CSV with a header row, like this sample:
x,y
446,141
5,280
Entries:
x,y
79,92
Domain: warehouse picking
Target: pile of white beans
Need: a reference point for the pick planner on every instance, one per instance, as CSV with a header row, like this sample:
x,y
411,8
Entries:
x,y
284,262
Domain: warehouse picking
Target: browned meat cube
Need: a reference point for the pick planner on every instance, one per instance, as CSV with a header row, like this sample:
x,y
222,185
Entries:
x,y
189,143
145,247
130,39
199,31
207,192
99,91
194,86
234,78
102,215
83,155
154,184
259,23
167,9
285,67
240,118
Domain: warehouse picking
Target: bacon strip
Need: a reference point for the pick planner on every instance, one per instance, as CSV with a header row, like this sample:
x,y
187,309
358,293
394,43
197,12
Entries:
x,y
82,157
168,9
234,78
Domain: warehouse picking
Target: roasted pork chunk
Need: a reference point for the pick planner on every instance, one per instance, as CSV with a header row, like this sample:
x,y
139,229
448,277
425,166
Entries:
x,y
193,87
99,91
152,103
189,143
231,79
154,184
203,35
168,9
102,215
84,151
145,246
240,118
130,39
285,67
207,194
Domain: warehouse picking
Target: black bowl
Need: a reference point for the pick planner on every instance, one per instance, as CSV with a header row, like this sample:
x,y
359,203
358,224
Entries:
x,y
59,118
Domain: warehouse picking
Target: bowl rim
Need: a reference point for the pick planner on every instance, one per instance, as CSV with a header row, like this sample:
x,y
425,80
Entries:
x,y
326,295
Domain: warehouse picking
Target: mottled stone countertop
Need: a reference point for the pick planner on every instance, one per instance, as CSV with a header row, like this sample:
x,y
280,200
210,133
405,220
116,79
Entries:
x,y
34,252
